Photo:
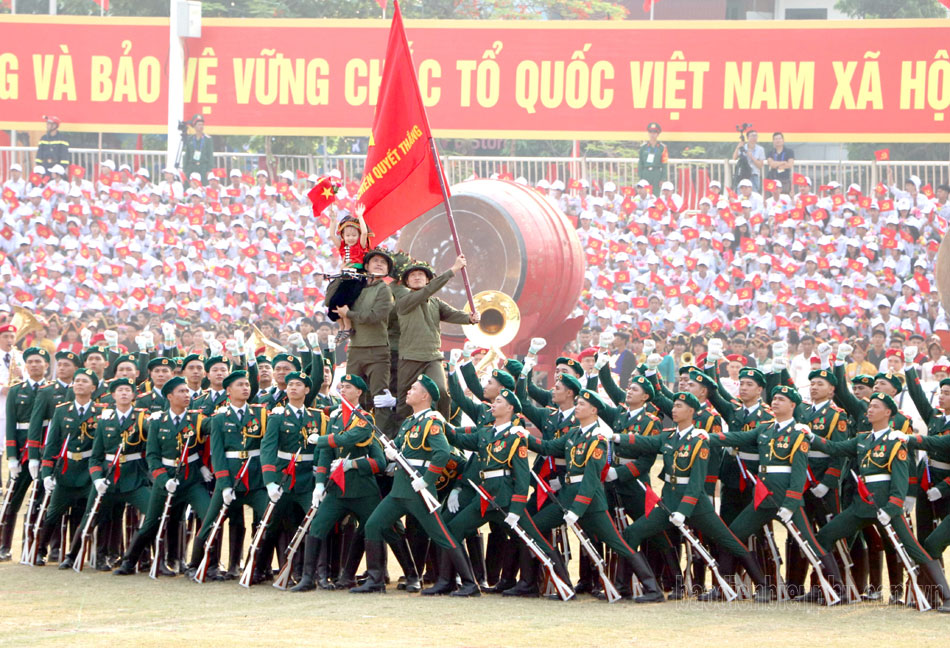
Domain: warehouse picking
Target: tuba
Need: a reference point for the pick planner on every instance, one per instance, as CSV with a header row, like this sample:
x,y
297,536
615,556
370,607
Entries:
x,y
500,321
25,323
687,359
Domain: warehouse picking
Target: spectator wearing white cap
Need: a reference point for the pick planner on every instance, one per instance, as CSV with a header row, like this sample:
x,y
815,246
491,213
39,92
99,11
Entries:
x,y
747,192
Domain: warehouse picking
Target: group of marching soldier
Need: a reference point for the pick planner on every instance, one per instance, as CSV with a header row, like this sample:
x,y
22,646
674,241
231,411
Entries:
x,y
126,459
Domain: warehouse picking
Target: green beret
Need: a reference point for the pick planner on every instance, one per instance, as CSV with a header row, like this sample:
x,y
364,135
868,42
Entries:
x,y
509,396
161,362
301,376
697,376
89,374
514,367
170,386
263,359
752,374
685,369
571,364
825,375
788,392
887,400
213,360
354,380
92,351
68,355
643,383
287,357
36,351
430,387
504,378
945,382
234,375
125,357
688,399
891,378
192,357
571,383
121,382
863,379
595,400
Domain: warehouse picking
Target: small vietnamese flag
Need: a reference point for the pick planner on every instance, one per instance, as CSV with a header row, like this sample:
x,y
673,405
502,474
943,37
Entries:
x,y
882,155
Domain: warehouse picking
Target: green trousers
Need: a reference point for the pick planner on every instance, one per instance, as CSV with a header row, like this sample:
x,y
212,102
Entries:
x,y
333,508
703,519
468,520
750,522
191,492
139,498
257,499
596,524
392,508
848,522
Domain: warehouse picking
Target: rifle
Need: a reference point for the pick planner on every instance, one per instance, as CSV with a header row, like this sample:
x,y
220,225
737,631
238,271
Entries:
x,y
283,576
724,586
622,524
202,571
5,506
563,589
248,574
93,513
38,525
432,504
28,523
781,591
610,591
157,556
843,552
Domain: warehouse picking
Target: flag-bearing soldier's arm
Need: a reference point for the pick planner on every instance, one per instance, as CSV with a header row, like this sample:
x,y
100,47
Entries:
x,y
614,392
735,438
845,398
591,483
921,402
54,441
696,487
464,438
663,397
373,462
357,432
470,376
219,458
540,395
39,420
153,453
469,407
548,447
533,413
269,446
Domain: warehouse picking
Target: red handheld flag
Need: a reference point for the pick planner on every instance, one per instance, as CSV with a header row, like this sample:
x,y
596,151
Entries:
x,y
650,499
882,155
338,477
863,491
761,492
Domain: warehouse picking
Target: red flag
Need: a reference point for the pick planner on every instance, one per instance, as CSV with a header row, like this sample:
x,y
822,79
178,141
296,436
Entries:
x,y
761,492
401,179
650,499
883,155
323,194
382,4
346,410
338,476
863,491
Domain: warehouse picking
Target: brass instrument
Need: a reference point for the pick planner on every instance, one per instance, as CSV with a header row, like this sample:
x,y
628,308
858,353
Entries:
x,y
499,325
687,359
271,348
25,323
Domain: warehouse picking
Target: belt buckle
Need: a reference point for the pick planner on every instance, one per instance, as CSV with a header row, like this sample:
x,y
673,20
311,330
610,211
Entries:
x,y
121,459
177,462
481,475
242,454
75,456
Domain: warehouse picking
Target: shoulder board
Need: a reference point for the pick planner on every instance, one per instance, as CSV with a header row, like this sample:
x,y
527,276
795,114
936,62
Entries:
x,y
894,435
140,409
48,386
155,416
106,414
64,404
701,434
257,405
277,410
836,408
219,409
669,429
651,415
435,415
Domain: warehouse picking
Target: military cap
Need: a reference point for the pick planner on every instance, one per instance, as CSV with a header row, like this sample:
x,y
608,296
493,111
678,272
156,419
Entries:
x,y
595,400
92,351
288,357
887,400
510,396
354,380
125,357
231,377
417,265
89,373
945,382
571,383
699,377
654,126
213,360
192,357
263,359
514,367
825,375
161,362
891,378
688,399
752,374
863,379
788,392
301,376
121,382
68,355
172,383
36,351
571,364
430,387
643,383
504,378
378,251
685,369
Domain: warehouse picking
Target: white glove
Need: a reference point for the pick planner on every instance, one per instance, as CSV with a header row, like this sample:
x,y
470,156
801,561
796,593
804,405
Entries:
x,y
111,338
274,492
227,496
604,433
844,350
453,501
208,337
900,435
779,363
534,348
215,347
605,340
824,350
249,353
418,484
171,485
512,519
34,467
784,515
49,483
555,484
653,361
819,490
296,339
454,356
677,519
909,503
85,335
883,517
520,431
910,354
232,347
206,474
649,346
529,363
318,491
570,518
611,474
168,332
714,354
140,342
14,467
391,453
780,349
933,494
602,359
331,343
313,340
101,486
149,339
467,349
766,367
239,337
312,439
384,400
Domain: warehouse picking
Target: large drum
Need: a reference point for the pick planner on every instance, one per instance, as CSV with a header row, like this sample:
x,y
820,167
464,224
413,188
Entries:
x,y
516,242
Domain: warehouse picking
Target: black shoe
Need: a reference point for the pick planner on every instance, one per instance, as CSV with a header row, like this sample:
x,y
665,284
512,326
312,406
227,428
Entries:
x,y
677,594
714,594
102,565
441,588
500,587
812,596
342,583
411,585
872,593
5,554
67,563
522,588
163,570
369,587
470,590
306,584
125,568
583,587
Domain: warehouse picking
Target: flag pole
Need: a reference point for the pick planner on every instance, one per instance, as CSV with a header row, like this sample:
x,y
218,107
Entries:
x,y
451,218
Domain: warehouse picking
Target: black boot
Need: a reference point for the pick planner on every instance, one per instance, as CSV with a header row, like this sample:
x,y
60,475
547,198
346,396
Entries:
x,y
585,584
235,549
651,591
875,573
895,576
446,581
351,562
859,571
263,566
833,573
476,550
401,551
136,547
73,552
6,539
463,568
934,571
375,582
172,551
527,585
727,568
310,552
754,570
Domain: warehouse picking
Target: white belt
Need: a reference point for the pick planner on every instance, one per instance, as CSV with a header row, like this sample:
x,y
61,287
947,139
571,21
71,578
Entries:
x,y
749,456
242,454
79,456
676,480
574,479
46,422
491,474
23,426
418,463
560,462
623,461
290,455
174,462
938,464
870,479
817,454
775,469
126,457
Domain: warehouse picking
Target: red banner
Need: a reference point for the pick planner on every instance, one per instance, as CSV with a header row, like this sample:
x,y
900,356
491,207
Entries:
x,y
829,81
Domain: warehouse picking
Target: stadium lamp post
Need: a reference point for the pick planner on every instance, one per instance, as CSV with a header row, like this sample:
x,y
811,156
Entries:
x,y
184,22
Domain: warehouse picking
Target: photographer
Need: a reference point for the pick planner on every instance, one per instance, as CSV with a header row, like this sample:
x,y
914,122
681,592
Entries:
x,y
199,149
749,156
781,159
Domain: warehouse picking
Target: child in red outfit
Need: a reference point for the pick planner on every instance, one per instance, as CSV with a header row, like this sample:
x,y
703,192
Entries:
x,y
352,242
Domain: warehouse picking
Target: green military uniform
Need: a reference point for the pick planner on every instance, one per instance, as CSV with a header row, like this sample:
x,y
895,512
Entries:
x,y
287,432
652,164
934,470
20,401
47,398
152,401
542,396
368,350
936,541
553,423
